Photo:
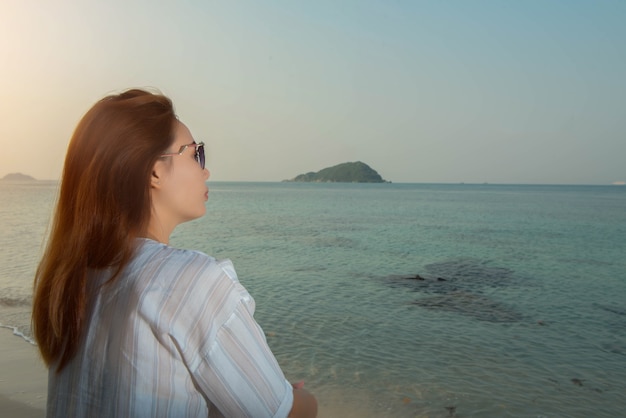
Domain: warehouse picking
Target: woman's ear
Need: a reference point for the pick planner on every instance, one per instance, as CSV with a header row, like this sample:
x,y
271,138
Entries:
x,y
157,174
155,183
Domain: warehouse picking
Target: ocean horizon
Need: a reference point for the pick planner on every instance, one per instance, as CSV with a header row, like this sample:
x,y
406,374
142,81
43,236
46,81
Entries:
x,y
408,299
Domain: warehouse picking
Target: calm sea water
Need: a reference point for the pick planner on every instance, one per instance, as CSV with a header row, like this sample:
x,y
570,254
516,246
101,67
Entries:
x,y
520,312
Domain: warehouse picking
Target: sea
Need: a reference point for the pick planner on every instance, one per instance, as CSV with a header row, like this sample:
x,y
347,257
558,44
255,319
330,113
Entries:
x,y
406,300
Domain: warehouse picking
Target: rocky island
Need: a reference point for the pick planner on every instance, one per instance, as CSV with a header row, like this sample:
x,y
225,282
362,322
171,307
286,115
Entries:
x,y
18,177
357,172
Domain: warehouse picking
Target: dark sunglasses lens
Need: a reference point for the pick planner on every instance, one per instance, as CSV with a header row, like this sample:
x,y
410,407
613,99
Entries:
x,y
200,155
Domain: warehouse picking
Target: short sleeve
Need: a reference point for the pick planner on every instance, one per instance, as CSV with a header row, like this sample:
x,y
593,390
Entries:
x,y
242,376
211,321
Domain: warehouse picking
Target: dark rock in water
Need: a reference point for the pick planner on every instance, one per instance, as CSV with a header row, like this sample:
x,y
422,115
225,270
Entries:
x,y
469,304
416,283
470,272
451,411
450,276
456,286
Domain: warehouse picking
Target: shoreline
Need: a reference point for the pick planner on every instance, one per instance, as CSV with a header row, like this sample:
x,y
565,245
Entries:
x,y
24,378
24,385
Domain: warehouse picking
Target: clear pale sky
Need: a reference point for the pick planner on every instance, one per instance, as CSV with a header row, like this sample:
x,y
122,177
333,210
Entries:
x,y
454,91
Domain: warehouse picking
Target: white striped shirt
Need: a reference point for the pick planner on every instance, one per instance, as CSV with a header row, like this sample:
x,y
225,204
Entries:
x,y
173,336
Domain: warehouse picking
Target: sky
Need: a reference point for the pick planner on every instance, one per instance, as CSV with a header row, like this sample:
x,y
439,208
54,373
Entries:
x,y
516,92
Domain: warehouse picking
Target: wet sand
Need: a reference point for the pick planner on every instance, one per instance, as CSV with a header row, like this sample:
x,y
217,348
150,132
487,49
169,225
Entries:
x,y
23,378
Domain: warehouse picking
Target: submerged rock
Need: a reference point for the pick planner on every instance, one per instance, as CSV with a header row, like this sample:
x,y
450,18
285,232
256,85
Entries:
x,y
457,286
470,304
471,272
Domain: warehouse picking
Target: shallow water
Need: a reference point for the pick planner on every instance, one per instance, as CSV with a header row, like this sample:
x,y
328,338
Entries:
x,y
520,311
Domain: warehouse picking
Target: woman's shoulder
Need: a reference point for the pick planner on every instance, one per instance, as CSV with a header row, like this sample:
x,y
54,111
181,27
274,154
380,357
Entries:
x,y
159,259
182,280
149,250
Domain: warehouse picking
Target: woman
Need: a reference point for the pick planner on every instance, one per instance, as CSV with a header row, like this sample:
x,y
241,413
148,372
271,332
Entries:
x,y
129,326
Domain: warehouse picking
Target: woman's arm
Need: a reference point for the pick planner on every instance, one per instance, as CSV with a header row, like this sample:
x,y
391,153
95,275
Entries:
x,y
304,403
227,353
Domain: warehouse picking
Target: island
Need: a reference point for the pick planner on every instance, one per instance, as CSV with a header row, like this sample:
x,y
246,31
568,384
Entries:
x,y
356,172
18,177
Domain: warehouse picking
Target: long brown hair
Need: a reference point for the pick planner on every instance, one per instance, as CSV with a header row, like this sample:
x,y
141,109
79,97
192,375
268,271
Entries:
x,y
104,204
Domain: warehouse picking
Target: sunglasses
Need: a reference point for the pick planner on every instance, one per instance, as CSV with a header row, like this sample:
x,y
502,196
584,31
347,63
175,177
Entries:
x,y
198,154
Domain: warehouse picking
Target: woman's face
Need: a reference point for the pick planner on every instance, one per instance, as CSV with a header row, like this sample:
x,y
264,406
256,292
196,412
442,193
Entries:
x,y
179,183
